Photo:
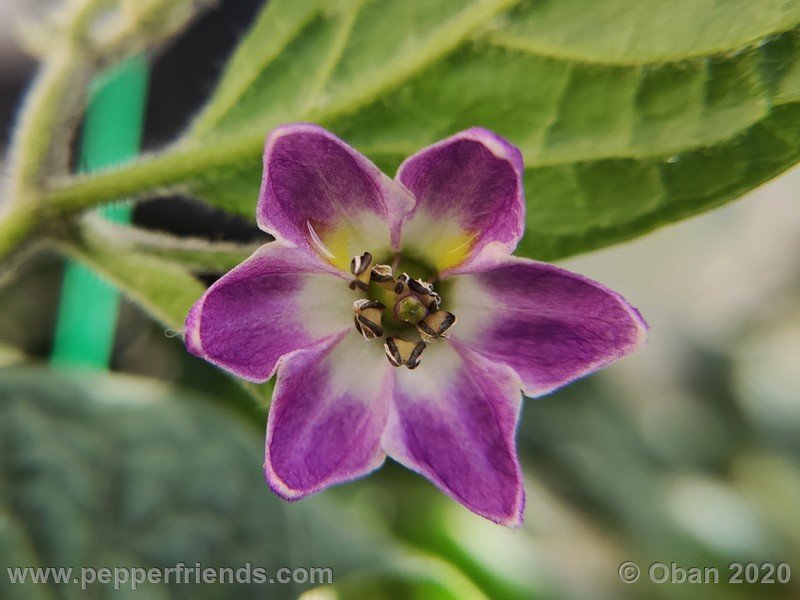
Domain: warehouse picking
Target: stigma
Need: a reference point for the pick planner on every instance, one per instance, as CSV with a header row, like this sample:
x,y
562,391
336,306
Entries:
x,y
415,320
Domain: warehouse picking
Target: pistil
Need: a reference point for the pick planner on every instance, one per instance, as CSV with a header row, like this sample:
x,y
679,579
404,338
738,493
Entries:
x,y
409,310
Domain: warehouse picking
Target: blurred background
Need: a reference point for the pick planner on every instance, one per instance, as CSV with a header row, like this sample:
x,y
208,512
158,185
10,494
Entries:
x,y
686,452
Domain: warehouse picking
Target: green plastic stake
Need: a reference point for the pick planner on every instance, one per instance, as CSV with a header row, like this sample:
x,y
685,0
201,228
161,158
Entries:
x,y
87,313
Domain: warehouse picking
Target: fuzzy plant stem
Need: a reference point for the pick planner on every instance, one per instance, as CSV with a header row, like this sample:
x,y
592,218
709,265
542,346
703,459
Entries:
x,y
88,308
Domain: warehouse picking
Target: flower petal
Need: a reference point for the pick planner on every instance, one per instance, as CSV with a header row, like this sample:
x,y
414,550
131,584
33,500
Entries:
x,y
453,420
278,300
469,193
550,325
318,193
326,418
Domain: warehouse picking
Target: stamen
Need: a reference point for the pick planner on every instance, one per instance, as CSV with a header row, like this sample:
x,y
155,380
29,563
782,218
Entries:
x,y
367,328
424,291
436,325
359,266
393,352
368,317
432,301
382,275
358,284
419,287
400,352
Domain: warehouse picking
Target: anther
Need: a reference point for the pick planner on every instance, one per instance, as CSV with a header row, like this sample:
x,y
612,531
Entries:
x,y
436,325
368,317
432,301
400,352
382,274
359,266
419,287
422,289
359,284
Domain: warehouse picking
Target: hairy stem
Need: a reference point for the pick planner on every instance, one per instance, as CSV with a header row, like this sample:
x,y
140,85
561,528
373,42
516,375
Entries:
x,y
166,170
53,104
16,224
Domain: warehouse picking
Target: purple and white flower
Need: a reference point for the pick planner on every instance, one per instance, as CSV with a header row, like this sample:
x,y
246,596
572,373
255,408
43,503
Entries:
x,y
396,319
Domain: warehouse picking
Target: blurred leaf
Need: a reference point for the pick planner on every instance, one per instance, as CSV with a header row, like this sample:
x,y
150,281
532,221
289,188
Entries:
x,y
630,114
115,471
29,301
419,576
766,381
112,471
164,289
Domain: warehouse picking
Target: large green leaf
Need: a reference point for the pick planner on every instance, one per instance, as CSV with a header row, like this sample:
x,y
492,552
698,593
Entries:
x,y
111,471
630,114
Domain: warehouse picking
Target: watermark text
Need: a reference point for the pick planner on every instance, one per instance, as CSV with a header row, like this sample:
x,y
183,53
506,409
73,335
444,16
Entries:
x,y
134,577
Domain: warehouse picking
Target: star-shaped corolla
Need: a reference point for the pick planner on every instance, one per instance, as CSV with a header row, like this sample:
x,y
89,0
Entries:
x,y
396,319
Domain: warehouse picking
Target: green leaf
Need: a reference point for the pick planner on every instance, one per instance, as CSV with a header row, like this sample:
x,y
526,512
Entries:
x,y
418,576
630,114
164,288
113,471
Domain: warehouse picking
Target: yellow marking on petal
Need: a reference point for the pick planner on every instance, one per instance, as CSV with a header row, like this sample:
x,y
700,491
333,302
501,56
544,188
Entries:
x,y
341,242
438,241
349,238
447,251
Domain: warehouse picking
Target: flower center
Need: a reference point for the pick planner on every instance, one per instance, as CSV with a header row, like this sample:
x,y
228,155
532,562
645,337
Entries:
x,y
409,310
415,320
